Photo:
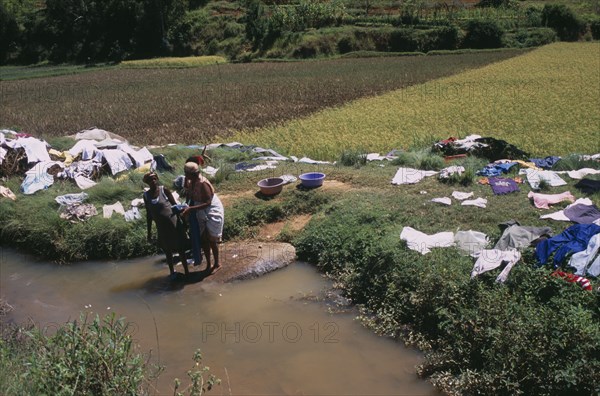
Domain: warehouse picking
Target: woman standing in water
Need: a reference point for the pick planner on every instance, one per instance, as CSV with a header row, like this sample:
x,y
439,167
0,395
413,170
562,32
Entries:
x,y
171,235
208,209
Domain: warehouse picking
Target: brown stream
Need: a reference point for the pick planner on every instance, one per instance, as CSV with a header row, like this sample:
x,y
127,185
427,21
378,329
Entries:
x,y
267,336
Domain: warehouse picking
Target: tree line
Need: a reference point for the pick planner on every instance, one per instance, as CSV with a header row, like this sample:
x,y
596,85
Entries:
x,y
83,31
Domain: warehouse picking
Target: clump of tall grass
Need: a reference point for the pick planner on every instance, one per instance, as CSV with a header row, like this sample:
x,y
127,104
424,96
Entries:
x,y
226,154
225,170
109,191
355,158
543,185
420,159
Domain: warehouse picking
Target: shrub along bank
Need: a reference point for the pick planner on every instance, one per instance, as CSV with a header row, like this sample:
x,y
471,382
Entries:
x,y
533,335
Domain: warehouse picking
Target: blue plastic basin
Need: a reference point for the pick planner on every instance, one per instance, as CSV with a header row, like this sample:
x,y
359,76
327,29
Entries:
x,y
312,179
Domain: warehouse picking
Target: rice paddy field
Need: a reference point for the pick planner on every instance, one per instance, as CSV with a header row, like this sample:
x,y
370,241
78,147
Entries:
x,y
178,63
197,105
545,101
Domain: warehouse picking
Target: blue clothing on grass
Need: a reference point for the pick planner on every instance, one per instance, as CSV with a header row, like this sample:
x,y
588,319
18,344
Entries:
x,y
545,163
496,169
572,240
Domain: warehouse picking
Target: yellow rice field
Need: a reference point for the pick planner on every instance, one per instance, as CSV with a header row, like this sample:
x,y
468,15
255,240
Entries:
x,y
546,102
178,63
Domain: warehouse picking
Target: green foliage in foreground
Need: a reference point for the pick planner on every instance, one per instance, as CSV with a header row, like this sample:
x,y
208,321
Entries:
x,y
88,356
533,335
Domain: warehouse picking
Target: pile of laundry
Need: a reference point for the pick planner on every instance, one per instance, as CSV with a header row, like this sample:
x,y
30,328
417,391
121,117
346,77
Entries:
x,y
95,152
484,147
73,209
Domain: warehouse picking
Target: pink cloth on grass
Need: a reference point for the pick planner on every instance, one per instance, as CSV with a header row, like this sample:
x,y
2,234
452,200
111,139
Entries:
x,y
544,200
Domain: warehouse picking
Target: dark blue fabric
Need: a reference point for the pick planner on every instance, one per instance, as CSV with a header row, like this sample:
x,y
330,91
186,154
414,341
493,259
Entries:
x,y
545,163
496,169
572,240
195,237
506,167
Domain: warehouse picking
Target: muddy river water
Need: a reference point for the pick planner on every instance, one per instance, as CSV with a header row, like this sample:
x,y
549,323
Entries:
x,y
269,336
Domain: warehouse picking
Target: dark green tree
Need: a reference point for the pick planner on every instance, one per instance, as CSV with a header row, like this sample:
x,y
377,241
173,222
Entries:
x,y
9,33
563,20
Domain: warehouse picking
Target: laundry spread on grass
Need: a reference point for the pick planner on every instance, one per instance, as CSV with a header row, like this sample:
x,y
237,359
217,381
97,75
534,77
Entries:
x,y
97,153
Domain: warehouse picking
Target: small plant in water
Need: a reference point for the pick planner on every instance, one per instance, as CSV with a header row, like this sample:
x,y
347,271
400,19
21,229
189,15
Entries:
x,y
198,384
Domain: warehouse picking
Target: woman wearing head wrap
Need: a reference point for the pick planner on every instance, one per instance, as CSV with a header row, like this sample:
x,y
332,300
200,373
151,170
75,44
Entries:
x,y
171,236
208,209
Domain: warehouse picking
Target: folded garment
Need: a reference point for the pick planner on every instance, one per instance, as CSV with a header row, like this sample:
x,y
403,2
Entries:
x,y
489,259
582,214
501,185
462,195
423,243
581,260
70,198
517,237
410,176
7,193
77,212
496,169
543,201
447,172
560,215
442,200
479,202
581,173
545,163
535,176
471,241
588,186
108,210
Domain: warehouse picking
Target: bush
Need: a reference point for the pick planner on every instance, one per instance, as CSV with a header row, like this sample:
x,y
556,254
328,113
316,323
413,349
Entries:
x,y
595,28
346,44
87,357
483,34
563,20
479,337
422,159
534,37
356,158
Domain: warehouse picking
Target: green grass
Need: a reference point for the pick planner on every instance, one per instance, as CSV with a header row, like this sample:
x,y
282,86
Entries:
x,y
173,63
8,73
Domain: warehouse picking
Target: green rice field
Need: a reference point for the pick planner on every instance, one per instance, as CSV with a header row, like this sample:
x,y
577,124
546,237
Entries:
x,y
545,101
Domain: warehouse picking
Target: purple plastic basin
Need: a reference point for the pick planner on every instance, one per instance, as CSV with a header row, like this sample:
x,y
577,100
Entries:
x,y
312,179
271,185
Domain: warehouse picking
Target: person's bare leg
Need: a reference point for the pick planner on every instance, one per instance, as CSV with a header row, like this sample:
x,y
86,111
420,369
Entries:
x,y
170,262
183,258
206,249
215,251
